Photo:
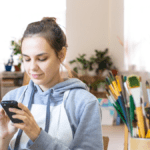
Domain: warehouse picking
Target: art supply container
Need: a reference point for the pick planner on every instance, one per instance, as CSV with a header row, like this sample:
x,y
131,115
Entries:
x,y
139,144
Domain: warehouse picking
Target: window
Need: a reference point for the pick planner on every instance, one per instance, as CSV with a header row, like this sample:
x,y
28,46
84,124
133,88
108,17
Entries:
x,y
137,34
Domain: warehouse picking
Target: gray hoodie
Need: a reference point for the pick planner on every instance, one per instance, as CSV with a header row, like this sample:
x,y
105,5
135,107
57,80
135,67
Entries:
x,y
82,109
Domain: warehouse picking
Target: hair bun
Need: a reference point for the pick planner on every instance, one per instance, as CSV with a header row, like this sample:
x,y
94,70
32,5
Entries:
x,y
49,19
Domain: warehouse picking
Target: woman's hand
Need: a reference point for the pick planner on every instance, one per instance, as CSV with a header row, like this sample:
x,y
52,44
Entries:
x,y
29,125
7,130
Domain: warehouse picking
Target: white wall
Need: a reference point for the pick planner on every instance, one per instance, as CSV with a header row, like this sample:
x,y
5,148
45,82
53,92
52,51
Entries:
x,y
16,15
95,24
116,28
87,26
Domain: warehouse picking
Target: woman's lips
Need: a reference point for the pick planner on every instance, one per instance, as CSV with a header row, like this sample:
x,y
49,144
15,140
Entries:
x,y
36,75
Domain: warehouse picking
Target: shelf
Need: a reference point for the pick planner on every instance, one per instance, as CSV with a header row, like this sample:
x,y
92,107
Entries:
x,y
10,80
9,74
99,94
93,79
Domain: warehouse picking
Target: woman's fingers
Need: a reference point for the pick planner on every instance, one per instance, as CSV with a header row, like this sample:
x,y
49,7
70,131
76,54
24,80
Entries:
x,y
2,113
18,112
23,118
3,117
23,107
24,112
21,126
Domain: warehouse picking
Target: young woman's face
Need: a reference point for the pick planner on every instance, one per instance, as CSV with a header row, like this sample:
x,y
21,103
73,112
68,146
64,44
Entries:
x,y
41,62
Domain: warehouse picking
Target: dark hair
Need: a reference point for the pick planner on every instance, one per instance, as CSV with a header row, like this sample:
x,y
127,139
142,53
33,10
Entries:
x,y
49,30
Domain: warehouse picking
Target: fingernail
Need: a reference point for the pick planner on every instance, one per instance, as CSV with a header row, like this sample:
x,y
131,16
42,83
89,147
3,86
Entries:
x,y
10,109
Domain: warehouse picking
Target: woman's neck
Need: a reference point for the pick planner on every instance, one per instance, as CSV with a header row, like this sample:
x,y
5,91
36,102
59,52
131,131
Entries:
x,y
53,82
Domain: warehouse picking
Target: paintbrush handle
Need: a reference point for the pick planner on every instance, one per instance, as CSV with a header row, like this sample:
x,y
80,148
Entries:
x,y
132,108
118,107
140,121
124,111
148,93
131,117
124,102
120,114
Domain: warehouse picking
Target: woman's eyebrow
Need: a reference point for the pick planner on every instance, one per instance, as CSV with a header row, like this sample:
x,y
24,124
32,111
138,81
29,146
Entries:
x,y
36,55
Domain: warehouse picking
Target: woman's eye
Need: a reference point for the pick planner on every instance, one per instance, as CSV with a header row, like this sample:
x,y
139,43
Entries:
x,y
42,59
27,59
38,59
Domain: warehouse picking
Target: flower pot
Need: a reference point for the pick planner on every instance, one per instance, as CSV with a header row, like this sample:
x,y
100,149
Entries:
x,y
8,68
17,68
114,72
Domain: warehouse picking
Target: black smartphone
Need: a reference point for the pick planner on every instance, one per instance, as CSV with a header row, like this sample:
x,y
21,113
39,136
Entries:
x,y
11,104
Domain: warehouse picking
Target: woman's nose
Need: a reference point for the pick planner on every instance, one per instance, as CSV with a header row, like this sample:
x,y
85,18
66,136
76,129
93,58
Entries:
x,y
33,66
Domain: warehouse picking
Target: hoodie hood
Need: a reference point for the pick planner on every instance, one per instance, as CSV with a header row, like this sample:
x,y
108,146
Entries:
x,y
57,91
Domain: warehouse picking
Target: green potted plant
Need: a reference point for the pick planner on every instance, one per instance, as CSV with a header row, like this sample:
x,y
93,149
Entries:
x,y
101,86
16,46
82,64
103,61
92,66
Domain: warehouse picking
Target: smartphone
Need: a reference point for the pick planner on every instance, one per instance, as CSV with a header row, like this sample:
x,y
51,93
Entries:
x,y
11,104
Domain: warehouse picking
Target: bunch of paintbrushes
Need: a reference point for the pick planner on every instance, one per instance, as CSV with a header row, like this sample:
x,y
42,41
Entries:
x,y
125,93
147,109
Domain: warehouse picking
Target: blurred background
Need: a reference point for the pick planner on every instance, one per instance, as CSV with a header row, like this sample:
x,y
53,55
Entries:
x,y
119,29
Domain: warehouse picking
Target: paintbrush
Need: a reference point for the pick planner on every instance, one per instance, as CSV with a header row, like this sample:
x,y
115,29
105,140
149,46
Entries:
x,y
148,91
125,85
119,83
114,97
123,89
110,86
115,106
132,108
142,97
134,85
143,109
120,98
113,94
147,109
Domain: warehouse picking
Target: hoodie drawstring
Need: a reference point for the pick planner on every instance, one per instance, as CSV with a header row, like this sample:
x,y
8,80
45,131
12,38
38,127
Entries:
x,y
47,118
20,131
48,113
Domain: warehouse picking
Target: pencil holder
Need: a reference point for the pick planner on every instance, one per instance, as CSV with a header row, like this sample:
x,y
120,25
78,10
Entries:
x,y
139,144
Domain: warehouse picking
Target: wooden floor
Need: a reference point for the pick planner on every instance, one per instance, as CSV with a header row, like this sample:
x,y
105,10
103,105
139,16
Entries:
x,y
116,136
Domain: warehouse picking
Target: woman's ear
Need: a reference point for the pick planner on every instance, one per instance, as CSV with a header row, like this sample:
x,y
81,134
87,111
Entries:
x,y
62,54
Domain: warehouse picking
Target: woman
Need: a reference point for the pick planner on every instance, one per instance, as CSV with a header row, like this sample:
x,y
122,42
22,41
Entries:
x,y
57,113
